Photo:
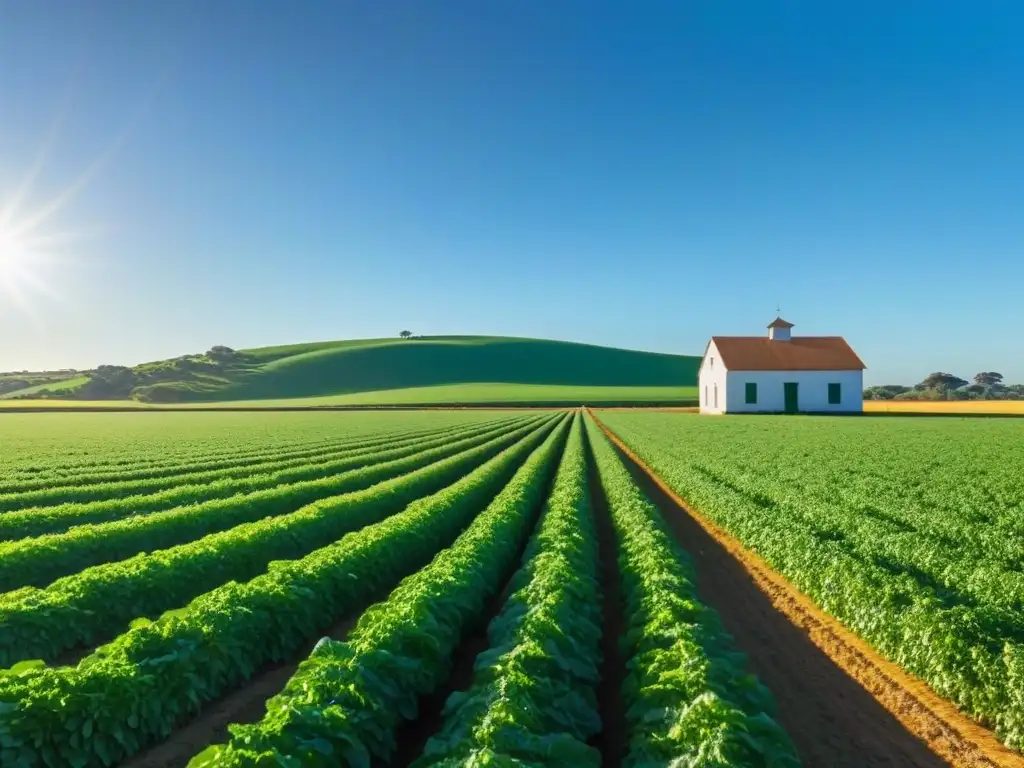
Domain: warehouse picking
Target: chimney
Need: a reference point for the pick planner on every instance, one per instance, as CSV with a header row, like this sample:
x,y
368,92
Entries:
x,y
778,330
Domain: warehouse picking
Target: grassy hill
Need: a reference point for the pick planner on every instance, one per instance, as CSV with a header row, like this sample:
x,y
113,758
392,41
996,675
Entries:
x,y
439,369
26,382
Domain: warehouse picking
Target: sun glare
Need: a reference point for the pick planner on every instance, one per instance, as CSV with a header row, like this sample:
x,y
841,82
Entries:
x,y
24,262
11,249
14,261
10,255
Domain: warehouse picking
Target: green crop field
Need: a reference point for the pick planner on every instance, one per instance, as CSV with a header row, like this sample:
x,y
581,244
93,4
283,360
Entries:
x,y
910,531
458,588
330,579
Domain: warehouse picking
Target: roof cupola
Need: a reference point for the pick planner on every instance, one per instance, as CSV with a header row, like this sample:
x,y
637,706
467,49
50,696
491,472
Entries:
x,y
778,330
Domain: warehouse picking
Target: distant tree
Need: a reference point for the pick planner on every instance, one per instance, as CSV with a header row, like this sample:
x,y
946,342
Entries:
x,y
220,353
107,381
988,379
921,393
406,334
110,371
943,382
884,391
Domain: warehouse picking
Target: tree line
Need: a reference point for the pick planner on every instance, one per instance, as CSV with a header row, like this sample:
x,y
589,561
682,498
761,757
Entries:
x,y
143,382
987,385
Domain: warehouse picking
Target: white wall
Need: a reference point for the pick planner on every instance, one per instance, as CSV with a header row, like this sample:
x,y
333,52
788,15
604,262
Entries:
x,y
712,375
812,392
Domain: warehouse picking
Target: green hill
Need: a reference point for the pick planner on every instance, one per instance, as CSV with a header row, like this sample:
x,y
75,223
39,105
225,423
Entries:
x,y
438,369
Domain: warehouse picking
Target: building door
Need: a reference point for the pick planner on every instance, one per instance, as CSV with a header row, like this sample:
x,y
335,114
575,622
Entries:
x,y
792,398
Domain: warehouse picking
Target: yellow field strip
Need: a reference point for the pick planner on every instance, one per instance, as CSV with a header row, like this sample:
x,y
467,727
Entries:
x,y
966,407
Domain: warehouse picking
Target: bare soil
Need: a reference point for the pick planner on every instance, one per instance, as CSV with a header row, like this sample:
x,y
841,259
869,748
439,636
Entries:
x,y
613,738
839,700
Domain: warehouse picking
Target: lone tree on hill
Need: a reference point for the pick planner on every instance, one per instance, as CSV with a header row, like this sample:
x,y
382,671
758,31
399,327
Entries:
x,y
406,334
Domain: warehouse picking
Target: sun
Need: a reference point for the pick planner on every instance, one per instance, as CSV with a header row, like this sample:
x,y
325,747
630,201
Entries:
x,y
26,262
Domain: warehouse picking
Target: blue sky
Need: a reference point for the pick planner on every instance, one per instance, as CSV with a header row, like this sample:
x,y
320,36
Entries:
x,y
633,174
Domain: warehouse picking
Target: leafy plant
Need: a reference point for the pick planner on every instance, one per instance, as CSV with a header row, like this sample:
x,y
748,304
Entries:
x,y
907,531
532,698
84,608
346,699
39,561
156,675
690,701
64,505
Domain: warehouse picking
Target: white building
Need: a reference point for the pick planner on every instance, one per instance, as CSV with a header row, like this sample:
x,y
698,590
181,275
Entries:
x,y
780,373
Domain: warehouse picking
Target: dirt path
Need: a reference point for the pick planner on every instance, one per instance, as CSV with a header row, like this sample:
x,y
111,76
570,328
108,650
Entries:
x,y
613,738
842,703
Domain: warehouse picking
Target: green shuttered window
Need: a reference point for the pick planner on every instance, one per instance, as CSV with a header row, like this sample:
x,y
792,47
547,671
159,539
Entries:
x,y
835,394
751,392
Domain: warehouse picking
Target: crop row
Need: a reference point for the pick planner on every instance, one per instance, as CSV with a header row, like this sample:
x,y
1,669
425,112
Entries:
x,y
689,700
156,675
949,517
88,607
416,529
225,457
64,470
75,444
101,456
532,696
532,699
42,491
39,561
129,500
917,550
346,700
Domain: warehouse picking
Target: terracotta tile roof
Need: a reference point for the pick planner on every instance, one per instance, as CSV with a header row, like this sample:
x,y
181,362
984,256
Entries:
x,y
804,353
778,322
